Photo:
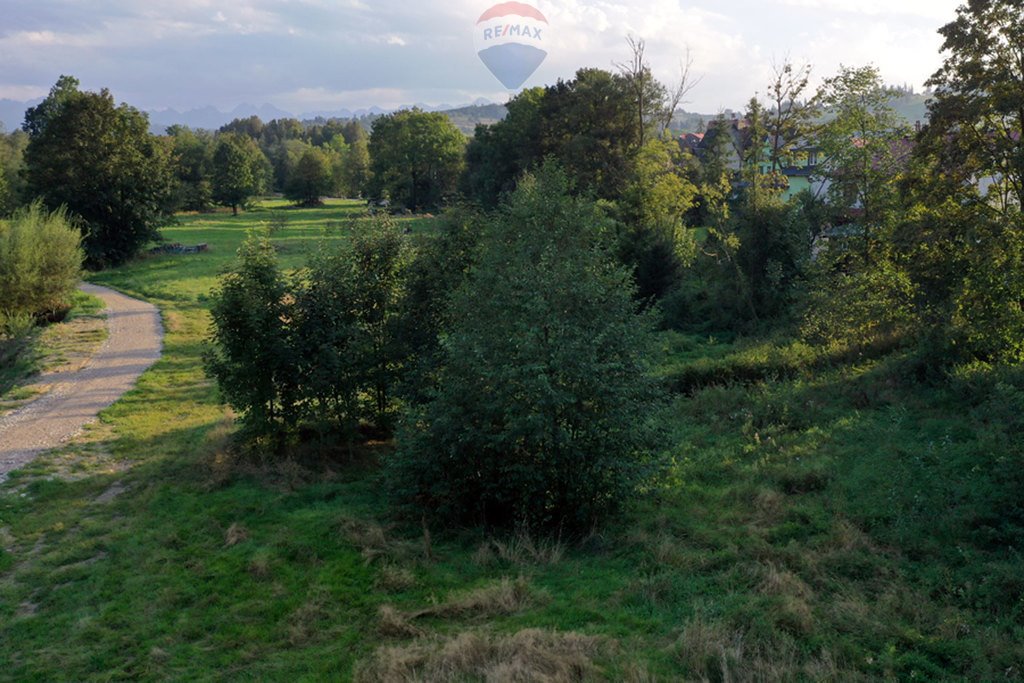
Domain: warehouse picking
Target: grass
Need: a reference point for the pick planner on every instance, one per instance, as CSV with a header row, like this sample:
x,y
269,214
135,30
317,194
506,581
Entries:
x,y
836,521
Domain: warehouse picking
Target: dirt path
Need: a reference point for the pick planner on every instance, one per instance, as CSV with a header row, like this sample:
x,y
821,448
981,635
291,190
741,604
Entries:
x,y
133,344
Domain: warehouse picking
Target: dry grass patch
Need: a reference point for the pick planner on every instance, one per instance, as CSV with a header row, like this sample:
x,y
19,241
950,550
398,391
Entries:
x,y
394,579
374,543
235,534
501,598
391,623
520,550
712,651
529,655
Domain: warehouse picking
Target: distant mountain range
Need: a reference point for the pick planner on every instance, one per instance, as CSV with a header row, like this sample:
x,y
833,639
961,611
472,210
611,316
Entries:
x,y
12,114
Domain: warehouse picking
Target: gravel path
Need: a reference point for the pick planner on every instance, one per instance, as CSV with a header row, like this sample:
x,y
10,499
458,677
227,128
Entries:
x,y
133,344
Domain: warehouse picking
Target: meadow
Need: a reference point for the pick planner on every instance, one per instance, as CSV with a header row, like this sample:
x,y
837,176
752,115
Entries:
x,y
823,519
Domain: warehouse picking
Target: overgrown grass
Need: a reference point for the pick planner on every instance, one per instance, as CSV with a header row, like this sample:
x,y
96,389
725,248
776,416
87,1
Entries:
x,y
837,522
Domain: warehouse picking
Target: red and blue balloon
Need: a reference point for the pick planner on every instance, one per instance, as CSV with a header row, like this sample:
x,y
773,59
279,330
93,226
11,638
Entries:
x,y
511,40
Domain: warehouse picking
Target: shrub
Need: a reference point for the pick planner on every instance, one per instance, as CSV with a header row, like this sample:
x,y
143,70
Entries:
x,y
542,415
252,355
40,262
864,310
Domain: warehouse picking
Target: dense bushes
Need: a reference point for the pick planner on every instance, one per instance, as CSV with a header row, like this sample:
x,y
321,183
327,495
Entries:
x,y
515,345
40,262
317,348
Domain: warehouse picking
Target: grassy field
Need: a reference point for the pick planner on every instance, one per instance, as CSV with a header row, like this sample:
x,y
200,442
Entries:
x,y
820,522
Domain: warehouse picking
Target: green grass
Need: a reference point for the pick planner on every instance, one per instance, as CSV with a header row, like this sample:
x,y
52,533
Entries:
x,y
835,520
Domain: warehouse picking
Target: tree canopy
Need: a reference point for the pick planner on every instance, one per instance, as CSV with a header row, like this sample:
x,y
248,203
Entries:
x,y
100,161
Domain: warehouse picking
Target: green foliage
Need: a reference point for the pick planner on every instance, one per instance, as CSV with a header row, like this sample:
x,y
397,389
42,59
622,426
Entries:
x,y
193,167
416,158
868,308
589,124
320,348
865,148
100,161
351,168
542,415
439,268
655,242
252,352
240,171
988,307
310,179
379,260
40,262
499,154
976,117
326,335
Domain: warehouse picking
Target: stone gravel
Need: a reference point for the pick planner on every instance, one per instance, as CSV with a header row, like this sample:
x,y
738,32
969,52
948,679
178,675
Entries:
x,y
134,342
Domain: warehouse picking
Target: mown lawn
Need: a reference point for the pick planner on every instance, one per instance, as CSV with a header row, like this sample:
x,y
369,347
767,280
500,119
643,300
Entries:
x,y
820,521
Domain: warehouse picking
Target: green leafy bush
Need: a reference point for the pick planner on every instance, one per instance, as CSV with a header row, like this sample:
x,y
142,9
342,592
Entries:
x,y
318,349
543,413
40,262
868,309
252,355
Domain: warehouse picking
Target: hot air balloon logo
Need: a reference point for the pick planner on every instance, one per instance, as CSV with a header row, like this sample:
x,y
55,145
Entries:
x,y
510,39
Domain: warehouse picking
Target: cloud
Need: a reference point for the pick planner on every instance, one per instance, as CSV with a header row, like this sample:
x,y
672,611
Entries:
x,y
291,52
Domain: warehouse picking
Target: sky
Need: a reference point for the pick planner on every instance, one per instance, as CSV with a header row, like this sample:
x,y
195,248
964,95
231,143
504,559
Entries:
x,y
322,55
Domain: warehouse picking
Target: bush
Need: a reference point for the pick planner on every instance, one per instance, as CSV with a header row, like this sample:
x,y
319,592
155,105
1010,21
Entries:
x,y
543,412
252,355
318,349
40,262
865,310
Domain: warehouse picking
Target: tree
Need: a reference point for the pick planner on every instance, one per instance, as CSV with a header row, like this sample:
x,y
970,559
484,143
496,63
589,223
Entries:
x,y
239,171
649,96
416,158
193,168
542,415
39,116
788,119
311,178
977,114
590,126
499,154
379,259
252,348
865,147
655,243
355,168
101,162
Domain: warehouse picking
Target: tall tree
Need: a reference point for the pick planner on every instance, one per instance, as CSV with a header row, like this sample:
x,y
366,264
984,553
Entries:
x,y
543,412
649,96
193,168
239,171
310,179
977,114
37,117
101,162
865,147
416,158
789,117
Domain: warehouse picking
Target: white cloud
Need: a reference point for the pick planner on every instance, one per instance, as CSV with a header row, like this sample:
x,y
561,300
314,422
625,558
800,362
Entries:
x,y
203,51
